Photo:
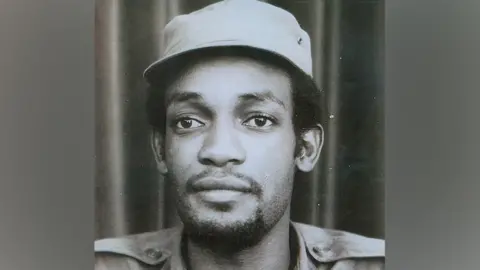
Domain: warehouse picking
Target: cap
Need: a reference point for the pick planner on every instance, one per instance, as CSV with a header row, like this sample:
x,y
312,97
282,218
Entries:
x,y
235,23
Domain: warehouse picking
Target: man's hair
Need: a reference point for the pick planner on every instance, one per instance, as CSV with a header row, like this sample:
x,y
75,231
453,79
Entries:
x,y
308,99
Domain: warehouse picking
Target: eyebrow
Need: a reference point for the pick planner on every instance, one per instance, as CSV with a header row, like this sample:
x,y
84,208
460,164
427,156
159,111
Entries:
x,y
194,99
249,97
184,97
261,97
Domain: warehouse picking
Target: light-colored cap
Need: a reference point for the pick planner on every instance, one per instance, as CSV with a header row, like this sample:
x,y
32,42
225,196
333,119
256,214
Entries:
x,y
236,23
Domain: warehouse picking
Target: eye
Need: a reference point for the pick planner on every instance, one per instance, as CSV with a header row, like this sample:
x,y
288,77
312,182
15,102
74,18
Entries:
x,y
259,122
188,123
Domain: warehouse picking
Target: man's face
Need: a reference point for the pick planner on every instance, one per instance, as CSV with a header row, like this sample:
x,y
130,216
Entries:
x,y
230,144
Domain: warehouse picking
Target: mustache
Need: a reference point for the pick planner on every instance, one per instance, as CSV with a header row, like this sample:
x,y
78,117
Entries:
x,y
255,188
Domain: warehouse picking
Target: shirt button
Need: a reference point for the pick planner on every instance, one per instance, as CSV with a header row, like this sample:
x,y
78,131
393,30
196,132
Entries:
x,y
153,253
323,252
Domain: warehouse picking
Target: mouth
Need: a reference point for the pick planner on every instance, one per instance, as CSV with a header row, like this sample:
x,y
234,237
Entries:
x,y
226,184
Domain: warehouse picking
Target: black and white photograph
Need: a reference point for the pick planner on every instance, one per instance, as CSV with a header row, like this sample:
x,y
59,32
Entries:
x,y
239,134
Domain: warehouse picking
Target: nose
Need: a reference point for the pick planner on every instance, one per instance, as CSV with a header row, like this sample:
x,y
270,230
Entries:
x,y
221,147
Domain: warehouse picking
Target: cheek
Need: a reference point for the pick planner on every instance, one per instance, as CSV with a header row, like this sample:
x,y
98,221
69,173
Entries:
x,y
276,148
273,161
181,155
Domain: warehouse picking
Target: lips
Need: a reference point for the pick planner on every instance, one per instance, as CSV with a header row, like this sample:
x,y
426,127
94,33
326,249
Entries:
x,y
224,183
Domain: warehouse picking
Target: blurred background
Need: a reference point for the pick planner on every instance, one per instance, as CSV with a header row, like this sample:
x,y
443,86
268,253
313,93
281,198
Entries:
x,y
345,191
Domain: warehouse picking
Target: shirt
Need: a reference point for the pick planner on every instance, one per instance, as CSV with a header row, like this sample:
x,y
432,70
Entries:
x,y
318,248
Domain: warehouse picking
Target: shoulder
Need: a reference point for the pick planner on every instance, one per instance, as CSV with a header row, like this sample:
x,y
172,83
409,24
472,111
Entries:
x,y
343,249
139,251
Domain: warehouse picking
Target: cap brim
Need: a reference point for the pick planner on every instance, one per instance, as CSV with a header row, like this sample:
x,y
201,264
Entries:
x,y
159,69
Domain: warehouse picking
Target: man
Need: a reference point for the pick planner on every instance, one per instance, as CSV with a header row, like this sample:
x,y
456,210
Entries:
x,y
235,113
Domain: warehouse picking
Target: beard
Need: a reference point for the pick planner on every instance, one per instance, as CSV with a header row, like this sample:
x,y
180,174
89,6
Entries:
x,y
225,238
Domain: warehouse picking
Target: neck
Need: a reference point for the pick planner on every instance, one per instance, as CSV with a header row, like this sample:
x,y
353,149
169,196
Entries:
x,y
272,252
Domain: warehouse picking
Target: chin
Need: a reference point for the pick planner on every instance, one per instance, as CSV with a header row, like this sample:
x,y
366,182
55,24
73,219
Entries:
x,y
220,222
210,228
229,215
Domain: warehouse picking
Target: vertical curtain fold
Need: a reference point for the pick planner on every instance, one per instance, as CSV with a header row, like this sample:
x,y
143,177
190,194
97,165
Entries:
x,y
130,196
331,83
110,118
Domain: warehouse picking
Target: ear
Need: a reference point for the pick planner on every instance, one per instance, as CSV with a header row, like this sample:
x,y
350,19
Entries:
x,y
312,143
156,142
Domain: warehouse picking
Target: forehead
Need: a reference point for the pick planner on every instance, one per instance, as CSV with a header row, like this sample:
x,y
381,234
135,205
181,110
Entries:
x,y
224,78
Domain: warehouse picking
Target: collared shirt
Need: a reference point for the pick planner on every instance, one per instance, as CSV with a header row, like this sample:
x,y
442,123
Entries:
x,y
317,249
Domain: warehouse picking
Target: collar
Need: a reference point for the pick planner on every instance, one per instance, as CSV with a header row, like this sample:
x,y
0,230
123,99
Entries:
x,y
326,246
316,246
